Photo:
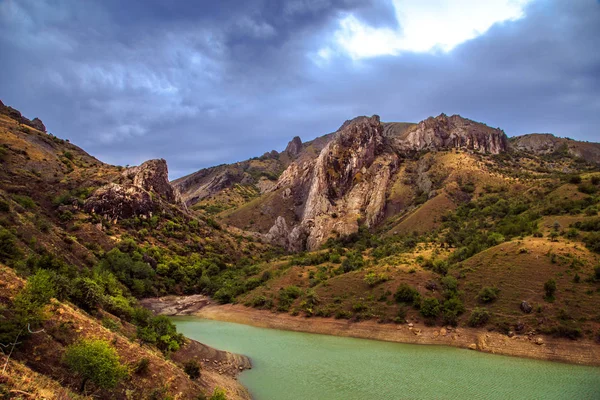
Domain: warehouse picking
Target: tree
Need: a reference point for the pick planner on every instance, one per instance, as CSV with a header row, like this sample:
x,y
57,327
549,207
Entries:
x,y
96,361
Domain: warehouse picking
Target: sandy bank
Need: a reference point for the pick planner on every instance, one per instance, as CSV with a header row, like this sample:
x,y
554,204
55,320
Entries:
x,y
583,351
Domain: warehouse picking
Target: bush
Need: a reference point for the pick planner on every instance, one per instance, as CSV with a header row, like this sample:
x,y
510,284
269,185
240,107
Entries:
x,y
549,289
451,309
218,394
430,307
478,317
353,262
96,361
159,331
406,294
142,366
488,294
24,201
192,369
8,245
575,179
592,241
373,279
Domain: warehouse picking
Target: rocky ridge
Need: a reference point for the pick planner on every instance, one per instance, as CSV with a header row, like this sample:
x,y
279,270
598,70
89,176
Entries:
x,y
443,132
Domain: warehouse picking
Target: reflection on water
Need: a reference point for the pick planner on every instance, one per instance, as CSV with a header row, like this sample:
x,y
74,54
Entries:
x,y
299,366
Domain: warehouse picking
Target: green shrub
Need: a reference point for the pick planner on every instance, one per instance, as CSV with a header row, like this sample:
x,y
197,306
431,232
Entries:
x,y
142,366
192,369
111,324
575,179
95,361
430,307
8,246
353,261
373,279
24,201
218,394
452,308
549,289
406,294
478,317
159,331
488,294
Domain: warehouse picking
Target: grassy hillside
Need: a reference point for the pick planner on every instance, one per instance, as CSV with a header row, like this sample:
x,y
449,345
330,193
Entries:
x,y
92,270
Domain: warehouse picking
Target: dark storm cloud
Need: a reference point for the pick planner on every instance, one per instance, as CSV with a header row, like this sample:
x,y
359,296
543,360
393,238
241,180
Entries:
x,y
201,83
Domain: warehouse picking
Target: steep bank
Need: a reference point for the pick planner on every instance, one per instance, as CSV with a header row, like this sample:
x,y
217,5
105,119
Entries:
x,y
583,352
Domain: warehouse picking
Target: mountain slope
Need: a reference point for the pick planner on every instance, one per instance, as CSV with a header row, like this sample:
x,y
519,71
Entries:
x,y
102,236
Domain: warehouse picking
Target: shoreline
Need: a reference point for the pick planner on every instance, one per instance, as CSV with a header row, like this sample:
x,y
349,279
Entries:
x,y
579,352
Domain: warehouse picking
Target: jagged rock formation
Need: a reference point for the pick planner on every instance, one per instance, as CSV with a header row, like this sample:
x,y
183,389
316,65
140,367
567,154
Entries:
x,y
153,175
546,143
443,132
294,147
135,194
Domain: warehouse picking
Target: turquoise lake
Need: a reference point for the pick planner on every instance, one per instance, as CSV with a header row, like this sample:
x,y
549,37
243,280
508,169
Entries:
x,y
300,366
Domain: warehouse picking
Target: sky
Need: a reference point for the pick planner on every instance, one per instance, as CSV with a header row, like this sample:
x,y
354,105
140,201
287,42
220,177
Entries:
x,y
202,83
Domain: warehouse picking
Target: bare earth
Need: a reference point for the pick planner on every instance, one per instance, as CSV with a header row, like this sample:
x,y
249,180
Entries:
x,y
582,351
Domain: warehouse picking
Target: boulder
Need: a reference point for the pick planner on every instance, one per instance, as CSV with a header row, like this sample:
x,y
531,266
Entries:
x,y
526,307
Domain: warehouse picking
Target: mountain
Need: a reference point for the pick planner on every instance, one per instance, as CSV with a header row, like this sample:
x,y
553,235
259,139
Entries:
x,y
353,176
343,182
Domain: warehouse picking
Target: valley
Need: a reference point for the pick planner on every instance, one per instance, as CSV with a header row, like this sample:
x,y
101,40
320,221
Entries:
x,y
442,232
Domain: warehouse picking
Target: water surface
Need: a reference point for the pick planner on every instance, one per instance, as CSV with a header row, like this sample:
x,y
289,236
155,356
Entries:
x,y
300,366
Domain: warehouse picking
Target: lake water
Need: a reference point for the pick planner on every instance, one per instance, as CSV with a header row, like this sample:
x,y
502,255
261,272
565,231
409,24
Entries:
x,y
304,366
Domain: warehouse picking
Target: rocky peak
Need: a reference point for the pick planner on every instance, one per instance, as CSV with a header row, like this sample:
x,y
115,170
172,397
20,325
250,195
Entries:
x,y
294,147
443,132
153,175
